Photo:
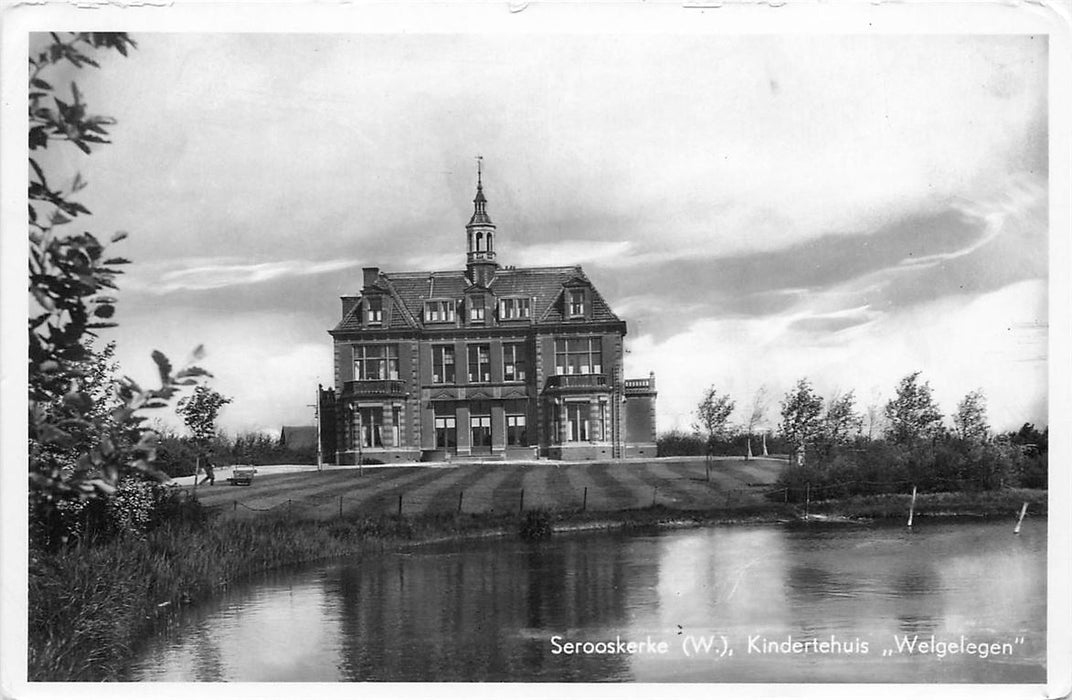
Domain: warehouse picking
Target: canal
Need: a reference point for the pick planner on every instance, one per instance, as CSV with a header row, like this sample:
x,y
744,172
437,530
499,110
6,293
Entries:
x,y
950,601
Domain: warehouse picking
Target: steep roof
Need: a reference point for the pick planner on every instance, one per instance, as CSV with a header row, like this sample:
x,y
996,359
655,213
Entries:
x,y
297,437
544,285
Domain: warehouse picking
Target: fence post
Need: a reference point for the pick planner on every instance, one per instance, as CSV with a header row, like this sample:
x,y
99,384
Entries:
x,y
785,498
912,506
288,508
521,502
1023,512
460,495
400,505
584,503
340,506
235,506
807,499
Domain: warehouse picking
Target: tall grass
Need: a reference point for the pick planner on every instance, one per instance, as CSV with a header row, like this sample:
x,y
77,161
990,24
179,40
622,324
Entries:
x,y
90,604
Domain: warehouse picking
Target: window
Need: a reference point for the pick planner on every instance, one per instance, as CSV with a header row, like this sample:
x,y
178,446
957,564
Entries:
x,y
513,308
369,423
476,309
514,361
446,431
376,362
577,422
374,314
576,302
479,363
515,430
481,429
439,311
443,364
578,356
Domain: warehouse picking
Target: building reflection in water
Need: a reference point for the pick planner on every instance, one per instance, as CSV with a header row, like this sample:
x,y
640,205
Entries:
x,y
482,613
476,611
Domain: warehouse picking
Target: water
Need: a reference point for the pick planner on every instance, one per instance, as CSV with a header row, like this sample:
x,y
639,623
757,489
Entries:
x,y
487,611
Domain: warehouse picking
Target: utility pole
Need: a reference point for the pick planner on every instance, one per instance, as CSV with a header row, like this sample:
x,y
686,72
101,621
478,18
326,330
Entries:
x,y
319,443
316,412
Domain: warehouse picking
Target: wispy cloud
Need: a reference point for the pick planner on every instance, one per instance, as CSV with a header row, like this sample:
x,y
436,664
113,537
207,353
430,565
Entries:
x,y
201,274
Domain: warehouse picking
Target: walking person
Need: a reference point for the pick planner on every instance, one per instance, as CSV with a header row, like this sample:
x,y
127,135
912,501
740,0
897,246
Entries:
x,y
210,474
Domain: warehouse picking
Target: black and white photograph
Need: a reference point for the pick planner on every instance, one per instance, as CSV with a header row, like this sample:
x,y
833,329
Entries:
x,y
570,344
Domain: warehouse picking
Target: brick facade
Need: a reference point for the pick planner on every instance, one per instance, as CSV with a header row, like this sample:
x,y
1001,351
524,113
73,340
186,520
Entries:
x,y
488,362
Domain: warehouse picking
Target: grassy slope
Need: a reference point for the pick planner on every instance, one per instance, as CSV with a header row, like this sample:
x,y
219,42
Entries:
x,y
496,488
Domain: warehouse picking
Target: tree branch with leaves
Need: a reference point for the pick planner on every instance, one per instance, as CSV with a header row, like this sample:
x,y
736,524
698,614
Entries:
x,y
80,445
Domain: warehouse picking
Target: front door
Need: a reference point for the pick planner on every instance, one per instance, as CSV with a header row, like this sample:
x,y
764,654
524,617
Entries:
x,y
481,430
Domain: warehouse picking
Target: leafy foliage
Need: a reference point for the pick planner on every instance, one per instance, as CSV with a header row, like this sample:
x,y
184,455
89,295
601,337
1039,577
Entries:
x,y
84,431
912,414
712,416
802,418
970,421
200,411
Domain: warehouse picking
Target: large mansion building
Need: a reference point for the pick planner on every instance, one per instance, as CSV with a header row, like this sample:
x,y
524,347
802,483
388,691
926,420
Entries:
x,y
486,362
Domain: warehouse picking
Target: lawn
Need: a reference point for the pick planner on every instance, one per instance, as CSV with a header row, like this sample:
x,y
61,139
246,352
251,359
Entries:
x,y
498,488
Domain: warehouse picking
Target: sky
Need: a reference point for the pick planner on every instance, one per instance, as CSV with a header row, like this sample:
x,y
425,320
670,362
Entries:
x,y
758,209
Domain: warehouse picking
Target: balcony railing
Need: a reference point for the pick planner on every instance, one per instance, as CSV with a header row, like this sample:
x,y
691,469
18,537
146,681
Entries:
x,y
577,381
375,387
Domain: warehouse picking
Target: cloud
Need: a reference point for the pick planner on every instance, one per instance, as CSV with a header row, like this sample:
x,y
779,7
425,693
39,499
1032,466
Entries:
x,y
201,274
996,340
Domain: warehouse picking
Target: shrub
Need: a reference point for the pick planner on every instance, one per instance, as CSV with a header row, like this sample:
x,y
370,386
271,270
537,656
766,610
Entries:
x,y
536,525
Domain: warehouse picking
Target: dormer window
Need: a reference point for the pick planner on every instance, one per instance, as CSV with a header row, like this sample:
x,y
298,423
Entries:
x,y
575,302
374,311
440,311
514,308
476,309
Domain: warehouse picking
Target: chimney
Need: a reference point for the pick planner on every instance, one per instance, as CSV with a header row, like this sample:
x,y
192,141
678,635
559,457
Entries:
x,y
370,275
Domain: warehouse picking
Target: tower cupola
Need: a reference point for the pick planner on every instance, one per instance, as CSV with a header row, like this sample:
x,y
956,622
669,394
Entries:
x,y
480,232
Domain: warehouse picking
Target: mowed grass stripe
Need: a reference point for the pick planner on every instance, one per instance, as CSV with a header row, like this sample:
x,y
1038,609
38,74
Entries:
x,y
565,496
533,482
682,488
315,494
757,471
273,487
322,501
577,478
384,499
322,498
446,500
442,495
674,489
506,496
614,489
266,485
479,497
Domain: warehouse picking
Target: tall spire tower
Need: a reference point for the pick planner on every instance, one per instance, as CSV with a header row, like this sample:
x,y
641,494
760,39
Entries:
x,y
480,256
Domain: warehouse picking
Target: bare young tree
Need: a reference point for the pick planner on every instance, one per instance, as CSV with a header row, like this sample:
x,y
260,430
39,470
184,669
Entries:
x,y
874,414
757,417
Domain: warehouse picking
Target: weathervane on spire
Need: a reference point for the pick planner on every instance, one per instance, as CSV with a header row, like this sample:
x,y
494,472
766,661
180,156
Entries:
x,y
479,163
